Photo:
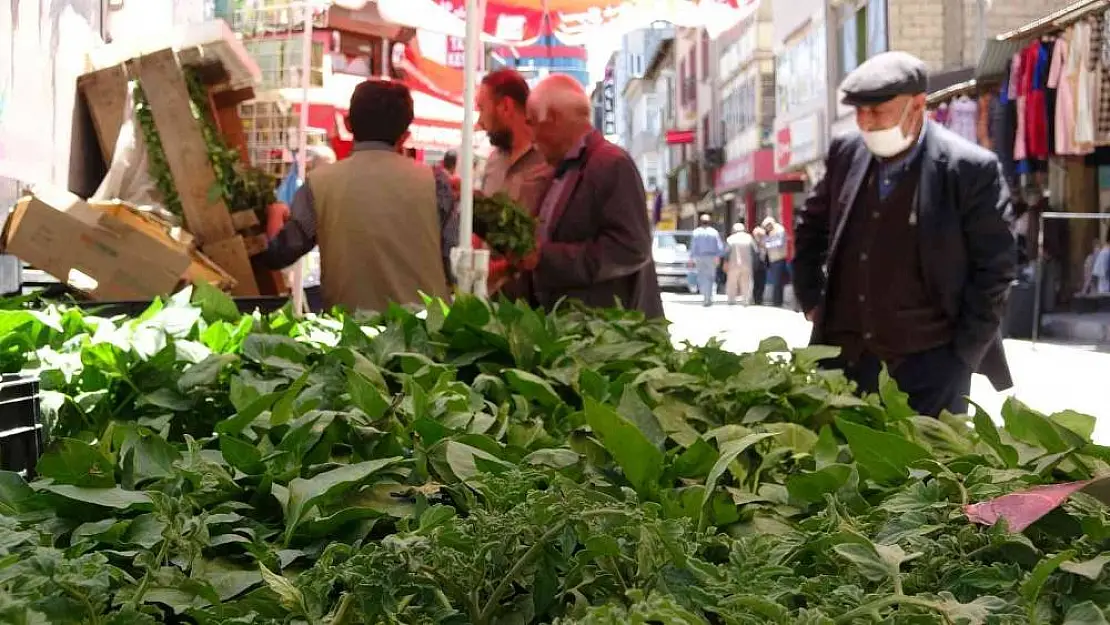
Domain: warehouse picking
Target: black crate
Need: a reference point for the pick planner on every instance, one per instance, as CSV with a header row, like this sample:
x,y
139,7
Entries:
x,y
21,431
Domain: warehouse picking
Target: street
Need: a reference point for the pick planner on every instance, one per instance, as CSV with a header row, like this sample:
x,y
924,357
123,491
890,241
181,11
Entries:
x,y
1049,378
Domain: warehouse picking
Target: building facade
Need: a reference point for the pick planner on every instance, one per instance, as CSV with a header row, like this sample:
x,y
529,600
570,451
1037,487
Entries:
x,y
746,185
946,34
548,55
637,48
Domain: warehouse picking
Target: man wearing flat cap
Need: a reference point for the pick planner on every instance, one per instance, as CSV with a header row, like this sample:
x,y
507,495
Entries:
x,y
902,255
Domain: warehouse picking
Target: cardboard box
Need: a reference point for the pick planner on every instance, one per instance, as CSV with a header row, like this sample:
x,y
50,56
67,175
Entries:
x,y
107,253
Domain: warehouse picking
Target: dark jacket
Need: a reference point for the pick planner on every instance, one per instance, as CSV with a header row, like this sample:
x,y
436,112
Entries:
x,y
967,257
599,250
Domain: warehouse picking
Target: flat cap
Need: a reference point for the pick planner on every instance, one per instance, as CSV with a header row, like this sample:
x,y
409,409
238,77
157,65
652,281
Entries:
x,y
883,77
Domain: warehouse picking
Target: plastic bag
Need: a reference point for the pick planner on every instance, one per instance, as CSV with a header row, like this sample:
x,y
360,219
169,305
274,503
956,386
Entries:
x,y
128,177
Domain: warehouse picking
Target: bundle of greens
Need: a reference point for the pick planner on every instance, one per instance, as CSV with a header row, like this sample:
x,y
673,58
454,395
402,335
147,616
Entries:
x,y
494,464
506,227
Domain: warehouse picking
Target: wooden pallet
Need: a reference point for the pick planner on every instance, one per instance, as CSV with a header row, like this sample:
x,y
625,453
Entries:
x,y
227,72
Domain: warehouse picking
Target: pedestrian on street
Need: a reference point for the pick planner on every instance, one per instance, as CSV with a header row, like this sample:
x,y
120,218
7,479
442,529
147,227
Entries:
x,y
706,249
759,266
376,214
741,249
594,232
908,221
775,245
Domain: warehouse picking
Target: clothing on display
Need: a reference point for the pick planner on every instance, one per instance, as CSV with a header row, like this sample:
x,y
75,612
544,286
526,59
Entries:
x,y
1054,100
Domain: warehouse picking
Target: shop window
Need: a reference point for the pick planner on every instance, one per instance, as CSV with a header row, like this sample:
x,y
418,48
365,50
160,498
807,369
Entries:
x,y
861,33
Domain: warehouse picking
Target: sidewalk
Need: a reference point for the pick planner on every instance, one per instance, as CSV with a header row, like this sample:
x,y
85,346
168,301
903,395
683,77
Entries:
x,y
1088,328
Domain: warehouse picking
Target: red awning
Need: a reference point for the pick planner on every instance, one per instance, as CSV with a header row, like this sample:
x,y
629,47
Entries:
x,y
680,137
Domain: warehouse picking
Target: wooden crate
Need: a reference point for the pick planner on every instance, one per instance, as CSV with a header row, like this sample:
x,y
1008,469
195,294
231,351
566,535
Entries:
x,y
228,73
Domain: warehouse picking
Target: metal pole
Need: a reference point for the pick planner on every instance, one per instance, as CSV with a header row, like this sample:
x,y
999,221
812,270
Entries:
x,y
1037,278
302,143
981,26
474,17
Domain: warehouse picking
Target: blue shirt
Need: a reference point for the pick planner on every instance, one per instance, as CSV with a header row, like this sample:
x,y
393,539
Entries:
x,y
892,171
706,243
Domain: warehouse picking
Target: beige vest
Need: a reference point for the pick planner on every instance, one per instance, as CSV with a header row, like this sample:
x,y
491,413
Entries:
x,y
377,225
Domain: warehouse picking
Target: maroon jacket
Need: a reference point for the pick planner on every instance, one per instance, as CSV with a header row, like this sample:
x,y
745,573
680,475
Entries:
x,y
599,251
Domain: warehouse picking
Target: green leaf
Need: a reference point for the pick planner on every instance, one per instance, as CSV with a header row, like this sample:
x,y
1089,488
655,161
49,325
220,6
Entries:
x,y
773,345
532,387
807,358
885,457
641,461
799,439
827,450
283,411
15,494
1029,426
464,460
242,455
1091,569
812,487
366,396
116,498
215,305
988,433
554,458
1079,423
288,594
633,408
729,452
306,493
897,402
1085,613
876,562
1032,586
78,463
205,373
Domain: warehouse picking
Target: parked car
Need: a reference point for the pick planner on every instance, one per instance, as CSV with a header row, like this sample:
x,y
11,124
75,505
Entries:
x,y
671,252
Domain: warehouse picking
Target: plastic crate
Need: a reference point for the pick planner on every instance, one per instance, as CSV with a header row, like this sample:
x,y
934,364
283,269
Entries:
x,y
21,431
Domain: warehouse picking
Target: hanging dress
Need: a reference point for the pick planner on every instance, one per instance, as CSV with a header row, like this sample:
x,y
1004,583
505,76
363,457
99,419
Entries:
x,y
1016,95
1059,80
1079,62
1102,122
1036,105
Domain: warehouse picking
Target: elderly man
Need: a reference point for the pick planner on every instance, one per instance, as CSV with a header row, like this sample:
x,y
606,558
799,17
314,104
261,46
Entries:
x,y
374,213
706,249
741,253
595,239
902,255
775,245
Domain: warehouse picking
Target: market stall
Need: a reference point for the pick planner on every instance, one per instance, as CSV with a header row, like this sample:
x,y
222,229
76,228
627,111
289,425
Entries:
x,y
1040,101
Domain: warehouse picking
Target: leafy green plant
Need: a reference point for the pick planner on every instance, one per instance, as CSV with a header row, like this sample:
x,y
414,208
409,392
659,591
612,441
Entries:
x,y
508,228
484,464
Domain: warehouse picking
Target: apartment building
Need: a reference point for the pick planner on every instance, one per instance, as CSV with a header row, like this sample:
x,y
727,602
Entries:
x,y
946,34
637,48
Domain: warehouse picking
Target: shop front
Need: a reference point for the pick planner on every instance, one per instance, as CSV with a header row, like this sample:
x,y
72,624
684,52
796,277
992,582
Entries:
x,y
754,189
800,146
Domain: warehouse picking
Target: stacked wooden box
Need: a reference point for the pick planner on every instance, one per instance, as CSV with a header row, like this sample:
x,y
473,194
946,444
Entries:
x,y
229,74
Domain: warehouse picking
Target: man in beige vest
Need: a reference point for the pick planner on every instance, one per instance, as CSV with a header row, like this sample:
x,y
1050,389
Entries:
x,y
374,214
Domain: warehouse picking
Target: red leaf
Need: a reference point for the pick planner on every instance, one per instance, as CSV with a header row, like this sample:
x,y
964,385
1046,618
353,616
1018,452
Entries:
x,y
1023,508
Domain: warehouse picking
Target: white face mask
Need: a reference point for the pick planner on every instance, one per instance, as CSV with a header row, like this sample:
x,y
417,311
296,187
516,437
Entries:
x,y
889,141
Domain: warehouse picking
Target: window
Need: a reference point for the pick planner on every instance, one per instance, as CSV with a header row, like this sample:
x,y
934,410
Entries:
x,y
704,55
795,69
861,32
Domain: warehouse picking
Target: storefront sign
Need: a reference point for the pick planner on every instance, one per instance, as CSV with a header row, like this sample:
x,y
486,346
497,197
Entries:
x,y
798,142
758,166
680,137
800,72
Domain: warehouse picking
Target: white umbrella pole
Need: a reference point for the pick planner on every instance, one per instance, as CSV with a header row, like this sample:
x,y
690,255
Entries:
x,y
297,286
471,269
